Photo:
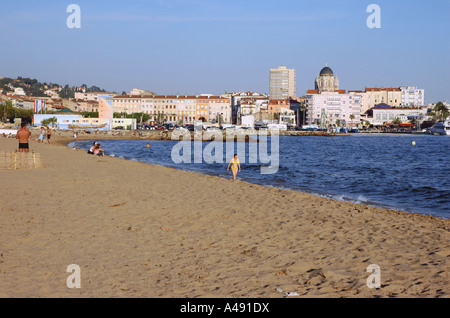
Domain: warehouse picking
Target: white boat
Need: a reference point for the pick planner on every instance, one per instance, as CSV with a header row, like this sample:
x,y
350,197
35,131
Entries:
x,y
277,127
447,127
310,127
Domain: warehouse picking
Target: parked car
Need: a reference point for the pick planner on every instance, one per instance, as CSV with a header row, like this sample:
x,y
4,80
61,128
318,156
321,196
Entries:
x,y
212,129
119,128
168,126
437,129
189,127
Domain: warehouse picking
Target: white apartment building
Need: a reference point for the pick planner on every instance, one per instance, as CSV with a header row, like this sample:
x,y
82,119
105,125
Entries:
x,y
412,96
282,83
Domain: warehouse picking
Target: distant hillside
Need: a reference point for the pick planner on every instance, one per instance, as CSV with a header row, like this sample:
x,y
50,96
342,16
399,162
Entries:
x,y
32,87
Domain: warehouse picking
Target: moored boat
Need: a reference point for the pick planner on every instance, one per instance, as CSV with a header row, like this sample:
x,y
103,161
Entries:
x,y
447,127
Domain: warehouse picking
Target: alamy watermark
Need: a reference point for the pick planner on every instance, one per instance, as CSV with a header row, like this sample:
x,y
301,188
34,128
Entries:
x,y
374,20
374,279
74,19
257,142
74,279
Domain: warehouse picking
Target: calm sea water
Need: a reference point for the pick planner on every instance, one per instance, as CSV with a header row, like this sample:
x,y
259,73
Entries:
x,y
378,170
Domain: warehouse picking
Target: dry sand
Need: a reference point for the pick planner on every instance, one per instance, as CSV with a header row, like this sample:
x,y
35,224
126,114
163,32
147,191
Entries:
x,y
138,230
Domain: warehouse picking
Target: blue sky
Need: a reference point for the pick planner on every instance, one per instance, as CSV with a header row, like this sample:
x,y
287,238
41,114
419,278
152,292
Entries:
x,y
208,46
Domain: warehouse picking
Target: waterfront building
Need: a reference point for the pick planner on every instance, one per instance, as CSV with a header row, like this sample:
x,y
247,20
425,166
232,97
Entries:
x,y
412,96
384,114
127,104
219,109
186,109
86,106
259,101
282,83
338,107
298,105
78,122
279,110
374,96
177,109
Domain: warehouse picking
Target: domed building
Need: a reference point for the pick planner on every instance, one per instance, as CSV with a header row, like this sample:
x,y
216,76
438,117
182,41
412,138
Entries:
x,y
326,81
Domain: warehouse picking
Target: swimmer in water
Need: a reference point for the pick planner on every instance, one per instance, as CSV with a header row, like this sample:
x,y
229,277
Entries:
x,y
147,145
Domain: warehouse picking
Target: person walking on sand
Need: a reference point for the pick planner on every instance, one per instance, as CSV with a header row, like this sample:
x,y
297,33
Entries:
x,y
23,135
49,134
235,166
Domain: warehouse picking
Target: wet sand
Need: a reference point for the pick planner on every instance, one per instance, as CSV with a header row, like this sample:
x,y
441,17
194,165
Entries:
x,y
138,230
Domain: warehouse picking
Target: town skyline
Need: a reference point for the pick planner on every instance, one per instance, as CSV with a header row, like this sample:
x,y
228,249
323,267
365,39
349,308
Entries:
x,y
198,47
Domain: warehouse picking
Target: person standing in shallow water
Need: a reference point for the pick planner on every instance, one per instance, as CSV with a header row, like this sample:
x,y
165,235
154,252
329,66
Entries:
x,y
235,166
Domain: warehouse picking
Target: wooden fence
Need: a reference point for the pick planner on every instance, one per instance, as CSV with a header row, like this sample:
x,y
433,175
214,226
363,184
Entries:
x,y
20,160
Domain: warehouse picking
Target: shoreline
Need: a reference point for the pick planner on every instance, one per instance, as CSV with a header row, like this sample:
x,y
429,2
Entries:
x,y
66,142
202,236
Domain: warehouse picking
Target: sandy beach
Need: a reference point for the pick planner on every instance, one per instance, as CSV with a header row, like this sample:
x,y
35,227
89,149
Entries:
x,y
138,230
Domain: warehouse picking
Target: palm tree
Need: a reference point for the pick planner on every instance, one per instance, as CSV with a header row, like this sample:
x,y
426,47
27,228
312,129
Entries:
x,y
219,119
53,121
396,121
45,122
303,109
161,117
8,106
441,111
352,117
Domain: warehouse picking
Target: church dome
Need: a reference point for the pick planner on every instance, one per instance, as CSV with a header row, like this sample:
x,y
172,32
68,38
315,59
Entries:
x,y
326,71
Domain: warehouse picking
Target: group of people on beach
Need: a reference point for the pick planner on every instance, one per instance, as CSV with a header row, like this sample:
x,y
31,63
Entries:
x,y
23,135
46,132
96,150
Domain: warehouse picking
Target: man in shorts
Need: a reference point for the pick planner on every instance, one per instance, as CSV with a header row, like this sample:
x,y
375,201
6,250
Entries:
x,y
23,135
49,134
